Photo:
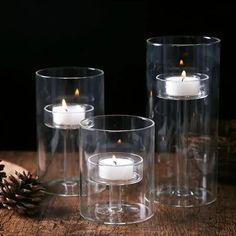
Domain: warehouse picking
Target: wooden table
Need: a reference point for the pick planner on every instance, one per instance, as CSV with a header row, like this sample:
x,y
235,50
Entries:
x,y
60,215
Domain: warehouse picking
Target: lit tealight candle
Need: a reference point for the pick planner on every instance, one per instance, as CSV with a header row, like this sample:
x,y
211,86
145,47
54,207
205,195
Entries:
x,y
70,115
112,168
183,85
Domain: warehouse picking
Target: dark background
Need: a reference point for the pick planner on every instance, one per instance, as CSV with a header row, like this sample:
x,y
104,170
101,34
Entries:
x,y
110,35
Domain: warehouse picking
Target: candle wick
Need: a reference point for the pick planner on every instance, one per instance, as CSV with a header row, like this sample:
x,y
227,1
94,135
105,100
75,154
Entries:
x,y
183,78
115,162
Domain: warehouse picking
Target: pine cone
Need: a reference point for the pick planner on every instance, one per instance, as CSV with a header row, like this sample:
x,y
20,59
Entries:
x,y
22,193
2,173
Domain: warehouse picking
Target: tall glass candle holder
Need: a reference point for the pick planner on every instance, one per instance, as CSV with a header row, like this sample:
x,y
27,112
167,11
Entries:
x,y
183,86
64,96
118,153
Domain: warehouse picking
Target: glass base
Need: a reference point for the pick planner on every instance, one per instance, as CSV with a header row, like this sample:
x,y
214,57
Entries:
x,y
117,214
177,197
63,187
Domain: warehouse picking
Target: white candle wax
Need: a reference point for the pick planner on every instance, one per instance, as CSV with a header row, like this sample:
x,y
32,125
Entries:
x,y
69,115
116,169
179,86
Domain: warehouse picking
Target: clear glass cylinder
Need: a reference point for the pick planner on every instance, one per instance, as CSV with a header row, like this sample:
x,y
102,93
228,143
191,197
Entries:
x,y
183,87
64,97
117,169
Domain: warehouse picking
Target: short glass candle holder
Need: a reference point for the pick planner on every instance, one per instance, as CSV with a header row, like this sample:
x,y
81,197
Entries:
x,y
117,153
183,88
64,96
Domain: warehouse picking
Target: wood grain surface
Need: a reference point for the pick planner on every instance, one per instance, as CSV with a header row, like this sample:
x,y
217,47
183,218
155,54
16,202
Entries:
x,y
60,215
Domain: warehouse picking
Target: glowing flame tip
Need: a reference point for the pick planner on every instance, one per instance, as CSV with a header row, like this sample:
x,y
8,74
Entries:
x,y
119,141
77,92
64,105
183,75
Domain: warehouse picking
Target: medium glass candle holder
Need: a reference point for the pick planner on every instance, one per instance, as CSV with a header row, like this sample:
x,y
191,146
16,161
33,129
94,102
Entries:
x,y
183,87
64,96
117,153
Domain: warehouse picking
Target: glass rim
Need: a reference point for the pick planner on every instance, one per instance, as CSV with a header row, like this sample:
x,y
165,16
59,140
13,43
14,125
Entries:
x,y
88,125
157,41
88,108
140,159
196,76
40,73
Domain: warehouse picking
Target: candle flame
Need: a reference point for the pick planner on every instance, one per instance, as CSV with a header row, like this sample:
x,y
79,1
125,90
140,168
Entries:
x,y
183,75
119,141
181,62
114,159
77,92
151,93
64,105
